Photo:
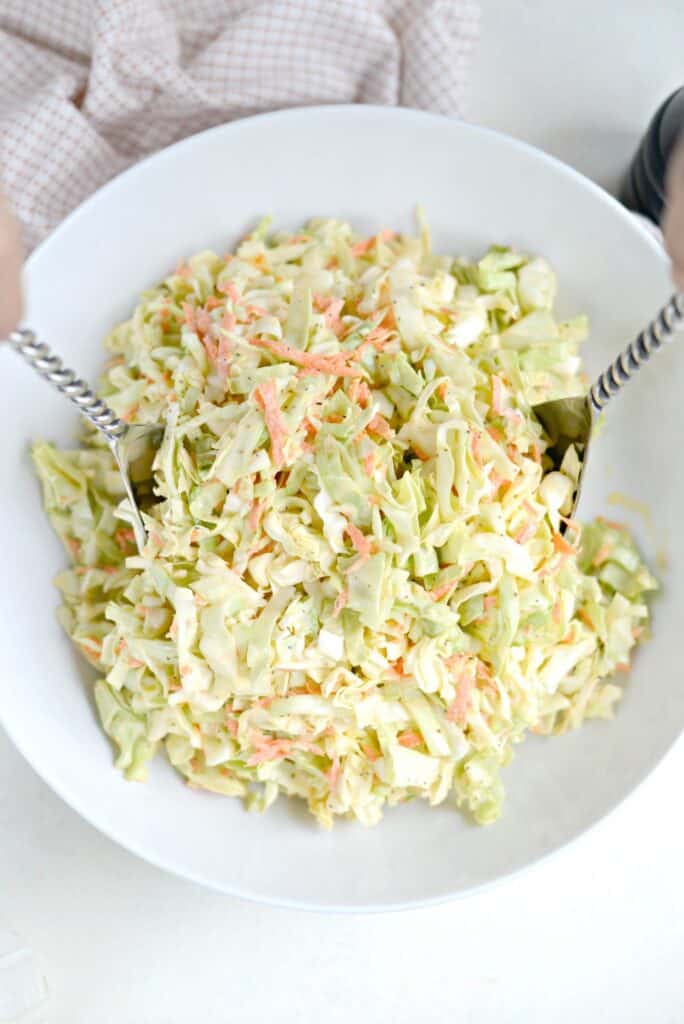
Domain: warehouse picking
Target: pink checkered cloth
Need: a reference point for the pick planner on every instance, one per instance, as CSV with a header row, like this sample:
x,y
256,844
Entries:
x,y
87,87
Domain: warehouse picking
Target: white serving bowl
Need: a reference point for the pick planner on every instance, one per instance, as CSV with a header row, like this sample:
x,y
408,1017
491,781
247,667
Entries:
x,y
370,165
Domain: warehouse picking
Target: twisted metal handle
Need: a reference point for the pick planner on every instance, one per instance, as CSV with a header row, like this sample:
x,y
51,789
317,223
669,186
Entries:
x,y
661,330
51,368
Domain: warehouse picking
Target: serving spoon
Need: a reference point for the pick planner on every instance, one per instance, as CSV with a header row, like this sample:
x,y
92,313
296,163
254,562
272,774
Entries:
x,y
132,445
569,421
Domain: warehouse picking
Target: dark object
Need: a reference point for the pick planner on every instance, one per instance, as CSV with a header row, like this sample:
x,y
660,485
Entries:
x,y
643,189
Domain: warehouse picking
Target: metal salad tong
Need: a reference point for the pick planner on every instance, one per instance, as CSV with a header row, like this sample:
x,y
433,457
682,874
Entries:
x,y
133,446
569,421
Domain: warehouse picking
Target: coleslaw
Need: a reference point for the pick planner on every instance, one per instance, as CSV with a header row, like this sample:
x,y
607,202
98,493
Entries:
x,y
355,588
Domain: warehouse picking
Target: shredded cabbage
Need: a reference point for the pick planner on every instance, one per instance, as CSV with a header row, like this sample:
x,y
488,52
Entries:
x,y
355,588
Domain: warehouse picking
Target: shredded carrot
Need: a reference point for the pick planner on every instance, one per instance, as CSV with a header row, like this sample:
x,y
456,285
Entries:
x,y
309,428
526,532
211,348
362,247
456,662
359,248
255,514
90,645
261,549
495,434
308,745
370,752
586,619
229,289
389,319
228,321
337,364
459,707
378,337
482,670
603,553
398,667
562,547
266,395
557,613
331,308
369,463
124,537
515,416
269,749
379,425
611,523
362,544
189,315
437,593
203,321
623,666
212,303
334,772
476,446
359,392
340,602
223,354
489,602
409,738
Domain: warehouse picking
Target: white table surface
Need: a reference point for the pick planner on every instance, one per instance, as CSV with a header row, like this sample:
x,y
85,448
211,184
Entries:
x,y
596,933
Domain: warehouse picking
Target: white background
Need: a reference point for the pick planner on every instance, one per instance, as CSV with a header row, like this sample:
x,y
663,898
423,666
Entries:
x,y
596,933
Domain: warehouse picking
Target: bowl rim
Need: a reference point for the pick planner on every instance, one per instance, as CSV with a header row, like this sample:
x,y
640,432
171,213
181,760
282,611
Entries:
x,y
358,110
